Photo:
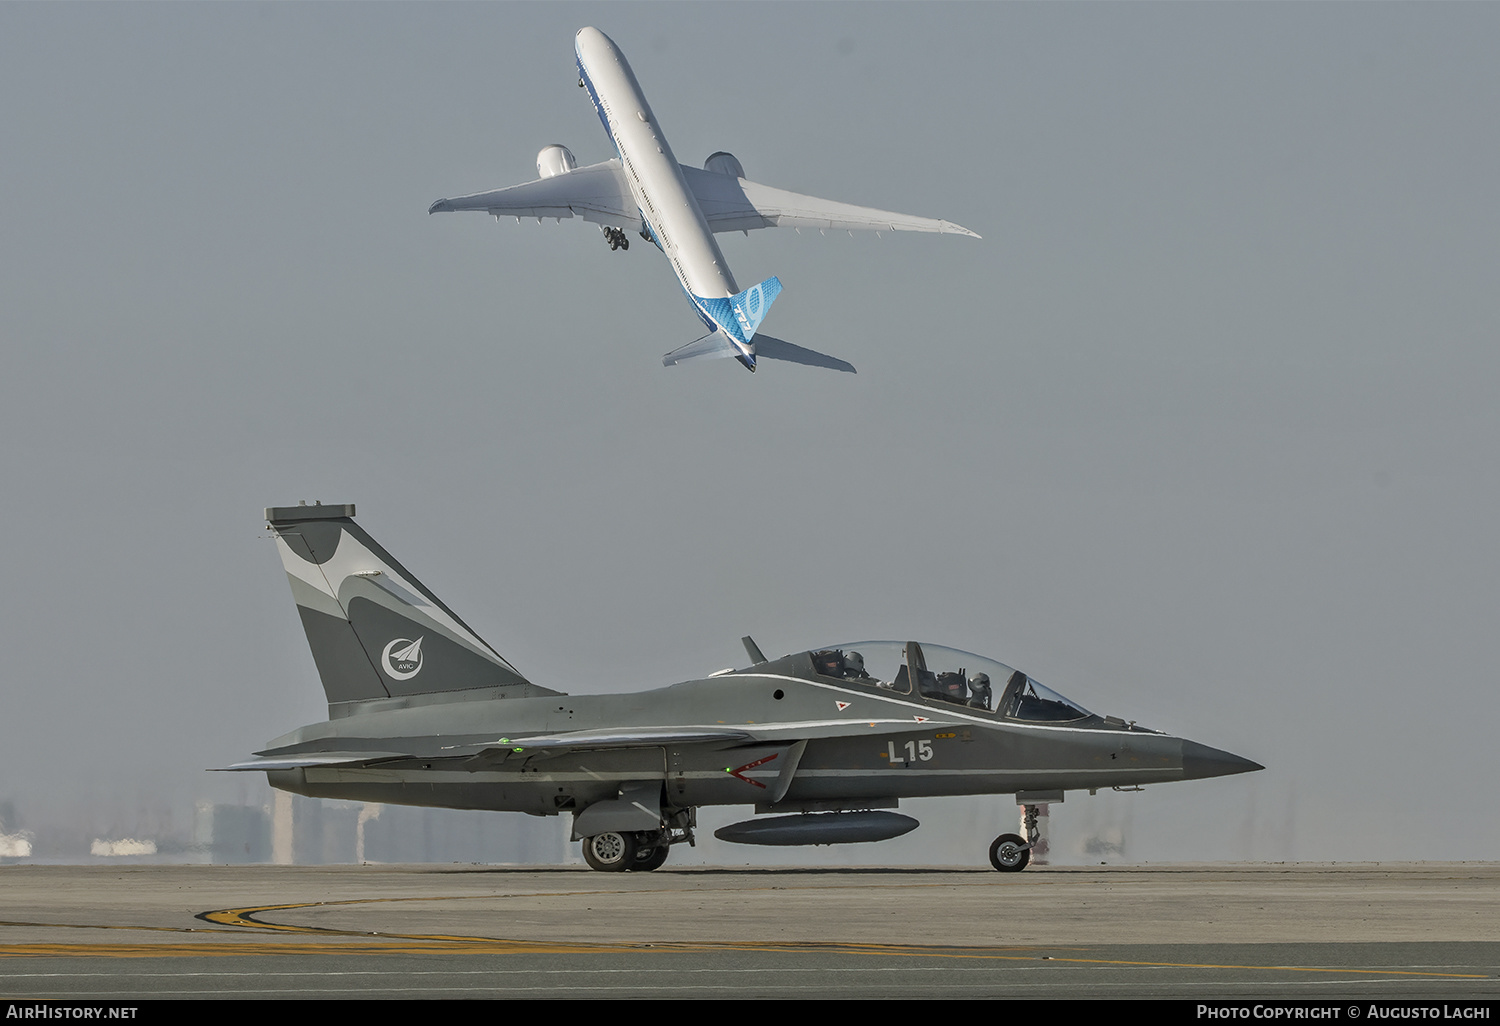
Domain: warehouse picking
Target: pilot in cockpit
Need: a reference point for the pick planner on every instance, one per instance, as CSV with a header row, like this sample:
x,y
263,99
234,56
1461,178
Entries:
x,y
833,662
979,691
829,662
854,667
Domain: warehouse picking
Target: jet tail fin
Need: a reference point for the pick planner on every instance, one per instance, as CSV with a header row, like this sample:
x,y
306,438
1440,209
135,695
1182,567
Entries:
x,y
375,631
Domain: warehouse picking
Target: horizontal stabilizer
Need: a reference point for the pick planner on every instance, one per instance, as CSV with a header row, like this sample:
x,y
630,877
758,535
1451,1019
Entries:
x,y
769,348
708,347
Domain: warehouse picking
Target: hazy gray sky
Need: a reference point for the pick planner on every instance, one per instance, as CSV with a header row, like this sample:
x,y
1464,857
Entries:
x,y
1202,433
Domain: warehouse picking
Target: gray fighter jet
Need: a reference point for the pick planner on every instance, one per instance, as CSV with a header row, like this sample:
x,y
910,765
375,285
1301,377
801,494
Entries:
x,y
826,741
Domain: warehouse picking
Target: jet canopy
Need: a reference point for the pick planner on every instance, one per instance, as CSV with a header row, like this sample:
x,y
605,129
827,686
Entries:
x,y
941,675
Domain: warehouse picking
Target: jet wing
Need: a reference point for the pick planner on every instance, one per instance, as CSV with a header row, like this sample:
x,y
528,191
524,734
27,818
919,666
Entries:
x,y
597,740
307,760
604,739
737,734
812,730
736,204
597,193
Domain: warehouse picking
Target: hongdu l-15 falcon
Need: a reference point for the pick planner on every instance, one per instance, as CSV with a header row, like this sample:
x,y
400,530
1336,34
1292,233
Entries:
x,y
823,743
678,208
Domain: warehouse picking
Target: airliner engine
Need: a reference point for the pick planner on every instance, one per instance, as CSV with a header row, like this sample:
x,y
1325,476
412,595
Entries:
x,y
724,164
554,160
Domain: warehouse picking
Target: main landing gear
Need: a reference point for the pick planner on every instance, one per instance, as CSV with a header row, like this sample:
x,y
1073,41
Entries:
x,y
610,853
615,237
638,851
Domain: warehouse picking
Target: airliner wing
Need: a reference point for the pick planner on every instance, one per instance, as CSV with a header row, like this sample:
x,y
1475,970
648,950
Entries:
x,y
735,204
597,193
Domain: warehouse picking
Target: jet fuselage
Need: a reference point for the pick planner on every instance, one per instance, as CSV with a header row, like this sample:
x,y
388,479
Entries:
x,y
422,711
886,746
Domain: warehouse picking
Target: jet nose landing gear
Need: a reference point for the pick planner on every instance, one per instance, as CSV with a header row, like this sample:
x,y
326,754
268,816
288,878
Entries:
x,y
615,237
1010,853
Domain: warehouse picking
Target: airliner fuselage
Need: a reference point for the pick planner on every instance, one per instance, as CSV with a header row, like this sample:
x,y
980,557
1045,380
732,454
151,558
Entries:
x,y
670,214
644,189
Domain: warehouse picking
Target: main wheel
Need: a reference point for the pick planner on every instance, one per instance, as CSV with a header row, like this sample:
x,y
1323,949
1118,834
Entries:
x,y
647,859
1008,853
609,853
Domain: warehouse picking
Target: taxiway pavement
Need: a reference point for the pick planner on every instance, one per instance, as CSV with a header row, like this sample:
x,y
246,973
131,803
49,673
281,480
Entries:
x,y
1263,931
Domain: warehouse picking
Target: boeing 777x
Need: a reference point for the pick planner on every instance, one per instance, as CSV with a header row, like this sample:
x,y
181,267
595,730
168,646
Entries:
x,y
678,208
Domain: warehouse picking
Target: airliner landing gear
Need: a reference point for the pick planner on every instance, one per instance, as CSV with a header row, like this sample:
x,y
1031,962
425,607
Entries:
x,y
615,237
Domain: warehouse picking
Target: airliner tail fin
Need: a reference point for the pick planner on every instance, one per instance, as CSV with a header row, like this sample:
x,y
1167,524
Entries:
x,y
739,316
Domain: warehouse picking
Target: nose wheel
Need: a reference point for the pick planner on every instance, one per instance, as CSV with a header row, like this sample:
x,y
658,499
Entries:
x,y
1010,853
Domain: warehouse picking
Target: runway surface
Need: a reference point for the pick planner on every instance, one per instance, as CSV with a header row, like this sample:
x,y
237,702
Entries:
x,y
1303,931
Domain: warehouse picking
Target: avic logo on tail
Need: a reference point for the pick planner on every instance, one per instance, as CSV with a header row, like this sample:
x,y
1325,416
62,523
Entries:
x,y
402,658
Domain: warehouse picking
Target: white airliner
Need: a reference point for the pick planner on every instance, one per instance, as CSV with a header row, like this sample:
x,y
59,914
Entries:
x,y
678,208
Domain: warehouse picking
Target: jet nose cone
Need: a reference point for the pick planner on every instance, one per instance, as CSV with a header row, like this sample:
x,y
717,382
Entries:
x,y
1200,761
